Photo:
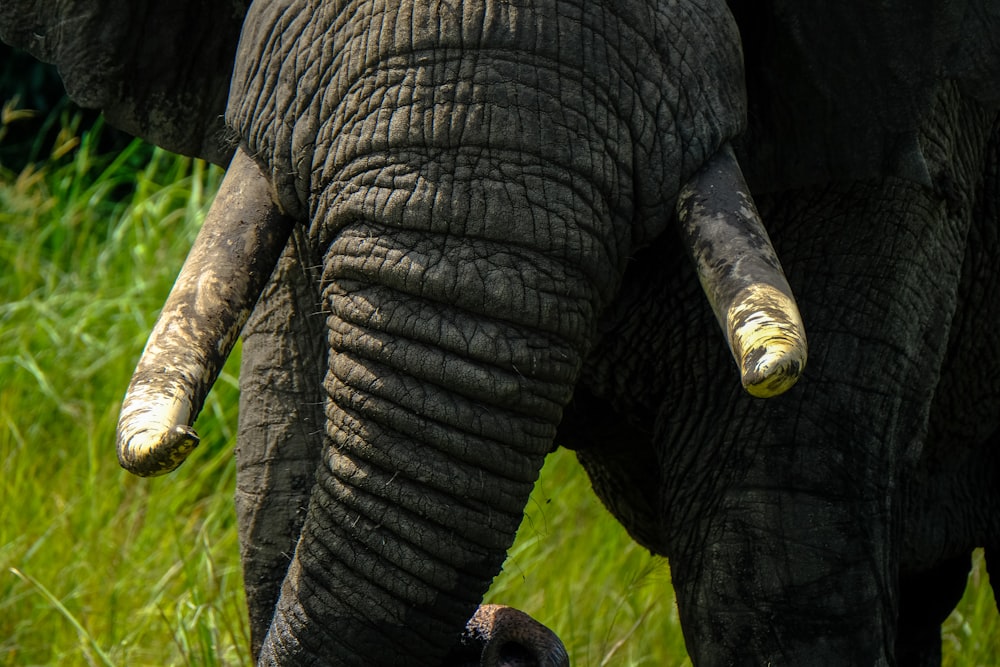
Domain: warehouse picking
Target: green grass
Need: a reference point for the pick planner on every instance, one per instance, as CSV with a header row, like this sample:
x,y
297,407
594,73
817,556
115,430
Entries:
x,y
97,567
100,568
574,568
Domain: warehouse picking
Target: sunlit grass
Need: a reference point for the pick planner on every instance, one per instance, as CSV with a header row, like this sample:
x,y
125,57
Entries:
x,y
97,567
100,568
576,569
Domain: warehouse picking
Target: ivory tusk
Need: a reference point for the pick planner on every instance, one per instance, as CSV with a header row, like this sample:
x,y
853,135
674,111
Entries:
x,y
741,276
236,250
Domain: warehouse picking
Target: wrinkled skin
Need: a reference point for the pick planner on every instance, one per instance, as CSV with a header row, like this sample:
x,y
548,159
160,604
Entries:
x,y
838,511
486,195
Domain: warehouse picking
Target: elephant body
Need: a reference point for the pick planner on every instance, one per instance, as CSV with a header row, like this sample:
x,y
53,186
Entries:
x,y
487,266
913,464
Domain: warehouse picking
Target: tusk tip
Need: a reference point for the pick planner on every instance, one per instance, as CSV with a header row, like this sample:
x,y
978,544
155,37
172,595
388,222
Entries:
x,y
770,372
768,340
150,454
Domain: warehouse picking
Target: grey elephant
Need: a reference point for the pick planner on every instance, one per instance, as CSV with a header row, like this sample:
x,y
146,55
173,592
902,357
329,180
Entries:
x,y
462,232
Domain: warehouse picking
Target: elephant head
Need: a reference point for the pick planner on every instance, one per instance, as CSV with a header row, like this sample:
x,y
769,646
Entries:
x,y
428,222
450,193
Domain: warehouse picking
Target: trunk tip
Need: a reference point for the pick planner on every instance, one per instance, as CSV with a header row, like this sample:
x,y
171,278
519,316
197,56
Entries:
x,y
150,453
501,636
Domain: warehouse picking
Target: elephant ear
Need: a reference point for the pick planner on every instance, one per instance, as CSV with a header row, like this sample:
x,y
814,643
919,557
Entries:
x,y
838,89
157,69
974,54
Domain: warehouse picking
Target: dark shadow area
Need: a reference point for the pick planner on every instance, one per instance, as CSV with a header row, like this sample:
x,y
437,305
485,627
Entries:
x,y
34,109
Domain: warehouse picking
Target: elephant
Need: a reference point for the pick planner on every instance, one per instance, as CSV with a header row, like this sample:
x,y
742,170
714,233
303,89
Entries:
x,y
455,234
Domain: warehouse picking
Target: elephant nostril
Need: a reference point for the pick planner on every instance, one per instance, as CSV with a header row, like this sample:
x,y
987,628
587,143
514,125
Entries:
x,y
513,654
507,654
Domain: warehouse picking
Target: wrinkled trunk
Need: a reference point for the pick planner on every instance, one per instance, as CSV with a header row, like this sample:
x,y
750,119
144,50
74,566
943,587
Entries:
x,y
451,359
281,438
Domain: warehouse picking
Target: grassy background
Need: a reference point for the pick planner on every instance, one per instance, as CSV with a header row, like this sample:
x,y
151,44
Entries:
x,y
100,568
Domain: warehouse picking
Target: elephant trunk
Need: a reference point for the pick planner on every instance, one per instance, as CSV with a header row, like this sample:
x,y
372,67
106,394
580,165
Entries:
x,y
232,258
452,357
742,277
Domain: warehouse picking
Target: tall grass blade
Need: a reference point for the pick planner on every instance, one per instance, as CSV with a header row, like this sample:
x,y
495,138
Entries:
x,y
89,646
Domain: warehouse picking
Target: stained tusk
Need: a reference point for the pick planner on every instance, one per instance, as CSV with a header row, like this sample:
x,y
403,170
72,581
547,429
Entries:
x,y
236,250
742,277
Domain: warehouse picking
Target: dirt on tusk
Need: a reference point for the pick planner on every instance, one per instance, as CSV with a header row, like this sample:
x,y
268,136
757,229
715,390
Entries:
x,y
766,335
742,277
232,259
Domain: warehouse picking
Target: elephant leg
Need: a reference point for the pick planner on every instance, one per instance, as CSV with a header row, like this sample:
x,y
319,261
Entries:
x,y
791,551
281,427
954,500
782,523
925,600
991,551
779,571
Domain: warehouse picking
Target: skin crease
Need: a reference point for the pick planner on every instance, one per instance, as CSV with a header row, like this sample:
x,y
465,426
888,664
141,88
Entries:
x,y
493,219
